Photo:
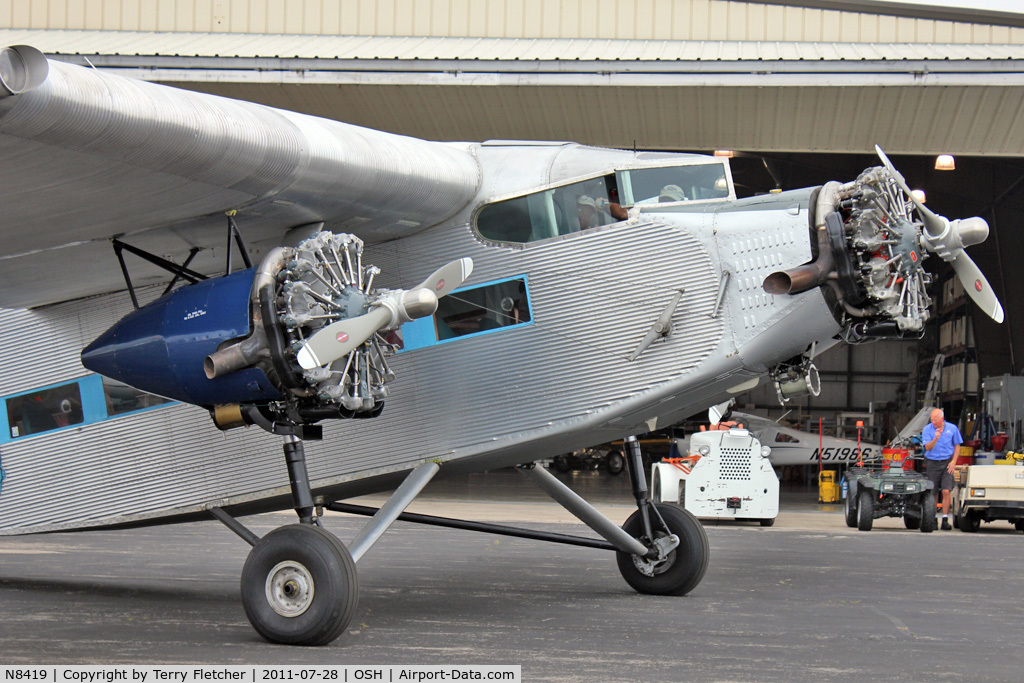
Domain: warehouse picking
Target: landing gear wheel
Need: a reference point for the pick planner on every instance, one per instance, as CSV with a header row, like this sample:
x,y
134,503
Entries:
x,y
768,521
562,464
615,463
1019,525
928,522
865,509
682,569
851,510
299,586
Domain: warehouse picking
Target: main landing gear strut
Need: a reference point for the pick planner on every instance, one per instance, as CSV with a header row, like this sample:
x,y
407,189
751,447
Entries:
x,y
299,583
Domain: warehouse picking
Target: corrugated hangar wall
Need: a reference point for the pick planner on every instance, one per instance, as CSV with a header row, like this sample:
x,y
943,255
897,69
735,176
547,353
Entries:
x,y
621,19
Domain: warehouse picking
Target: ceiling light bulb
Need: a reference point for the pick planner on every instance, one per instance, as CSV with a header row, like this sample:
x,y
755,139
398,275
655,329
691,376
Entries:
x,y
727,153
919,195
945,162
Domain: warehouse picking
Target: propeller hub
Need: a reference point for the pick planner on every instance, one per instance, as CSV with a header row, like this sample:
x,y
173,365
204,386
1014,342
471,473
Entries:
x,y
972,230
419,303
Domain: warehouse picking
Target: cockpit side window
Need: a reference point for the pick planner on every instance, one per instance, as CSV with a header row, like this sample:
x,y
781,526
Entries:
x,y
553,212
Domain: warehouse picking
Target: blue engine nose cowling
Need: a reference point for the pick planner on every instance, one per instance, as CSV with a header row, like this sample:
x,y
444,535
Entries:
x,y
160,348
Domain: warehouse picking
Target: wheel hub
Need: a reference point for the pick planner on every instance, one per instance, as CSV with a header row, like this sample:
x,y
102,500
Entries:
x,y
289,589
666,545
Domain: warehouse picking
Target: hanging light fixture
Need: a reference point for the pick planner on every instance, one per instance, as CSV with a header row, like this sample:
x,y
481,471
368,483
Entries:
x,y
919,195
945,162
727,153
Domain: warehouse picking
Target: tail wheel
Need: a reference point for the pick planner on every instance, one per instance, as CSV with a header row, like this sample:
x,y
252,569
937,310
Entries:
x,y
682,569
928,521
865,509
299,586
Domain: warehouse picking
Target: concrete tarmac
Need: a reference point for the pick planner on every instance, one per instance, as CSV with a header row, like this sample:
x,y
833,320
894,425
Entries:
x,y
808,599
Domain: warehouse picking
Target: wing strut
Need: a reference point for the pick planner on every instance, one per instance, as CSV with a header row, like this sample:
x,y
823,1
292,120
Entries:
x,y
174,269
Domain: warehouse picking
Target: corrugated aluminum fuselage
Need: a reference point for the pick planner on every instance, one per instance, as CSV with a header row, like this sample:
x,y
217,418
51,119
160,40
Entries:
x,y
483,401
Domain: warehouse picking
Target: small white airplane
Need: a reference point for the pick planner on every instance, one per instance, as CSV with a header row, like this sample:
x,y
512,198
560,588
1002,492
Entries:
x,y
794,447
589,295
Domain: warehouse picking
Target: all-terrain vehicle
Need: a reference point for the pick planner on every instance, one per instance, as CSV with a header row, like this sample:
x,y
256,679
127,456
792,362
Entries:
x,y
885,487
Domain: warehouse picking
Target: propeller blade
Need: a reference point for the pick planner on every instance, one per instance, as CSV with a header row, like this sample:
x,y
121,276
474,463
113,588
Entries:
x,y
339,339
977,286
446,278
948,241
935,224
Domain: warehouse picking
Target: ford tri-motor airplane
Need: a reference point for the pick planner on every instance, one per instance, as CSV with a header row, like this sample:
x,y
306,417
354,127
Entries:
x,y
589,295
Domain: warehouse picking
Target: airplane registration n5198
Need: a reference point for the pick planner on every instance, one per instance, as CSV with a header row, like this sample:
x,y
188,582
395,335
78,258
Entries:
x,y
559,296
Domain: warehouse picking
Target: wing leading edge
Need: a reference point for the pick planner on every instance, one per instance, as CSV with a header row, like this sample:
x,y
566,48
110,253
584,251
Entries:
x,y
86,156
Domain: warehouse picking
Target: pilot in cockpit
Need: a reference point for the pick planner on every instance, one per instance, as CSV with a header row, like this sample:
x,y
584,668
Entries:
x,y
671,193
592,211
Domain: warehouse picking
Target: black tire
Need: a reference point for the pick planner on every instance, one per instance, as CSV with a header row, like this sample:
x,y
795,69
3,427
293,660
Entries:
x,y
562,464
615,463
767,521
970,522
865,509
299,586
851,509
684,567
928,522
911,520
1019,525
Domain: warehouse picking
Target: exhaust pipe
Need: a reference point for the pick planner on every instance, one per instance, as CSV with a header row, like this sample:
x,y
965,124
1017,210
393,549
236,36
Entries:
x,y
810,275
255,347
22,68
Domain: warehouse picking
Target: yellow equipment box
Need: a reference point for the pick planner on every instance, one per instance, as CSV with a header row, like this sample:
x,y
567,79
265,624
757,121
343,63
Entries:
x,y
828,487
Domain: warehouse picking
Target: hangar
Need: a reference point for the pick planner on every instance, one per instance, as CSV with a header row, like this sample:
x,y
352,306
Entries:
x,y
798,92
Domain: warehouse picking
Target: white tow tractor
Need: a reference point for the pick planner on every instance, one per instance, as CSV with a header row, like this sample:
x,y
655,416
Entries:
x,y
725,475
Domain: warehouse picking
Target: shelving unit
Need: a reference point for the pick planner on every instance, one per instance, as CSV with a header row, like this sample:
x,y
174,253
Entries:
x,y
959,386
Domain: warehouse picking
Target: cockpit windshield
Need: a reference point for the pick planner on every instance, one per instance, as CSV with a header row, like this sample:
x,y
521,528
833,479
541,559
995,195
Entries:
x,y
666,184
601,200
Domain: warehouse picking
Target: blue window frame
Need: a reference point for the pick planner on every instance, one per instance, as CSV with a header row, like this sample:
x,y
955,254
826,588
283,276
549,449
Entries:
x,y
84,401
488,308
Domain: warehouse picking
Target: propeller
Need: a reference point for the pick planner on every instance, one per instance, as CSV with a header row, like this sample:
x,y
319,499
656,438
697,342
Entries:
x,y
948,239
390,309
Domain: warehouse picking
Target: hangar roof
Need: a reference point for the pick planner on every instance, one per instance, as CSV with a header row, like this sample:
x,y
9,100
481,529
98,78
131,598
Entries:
x,y
912,98
281,46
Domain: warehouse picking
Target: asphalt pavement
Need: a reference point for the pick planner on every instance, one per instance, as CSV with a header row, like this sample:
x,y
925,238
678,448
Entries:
x,y
808,599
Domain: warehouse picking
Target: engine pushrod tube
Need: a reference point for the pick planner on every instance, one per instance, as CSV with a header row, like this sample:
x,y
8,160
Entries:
x,y
584,511
466,525
392,509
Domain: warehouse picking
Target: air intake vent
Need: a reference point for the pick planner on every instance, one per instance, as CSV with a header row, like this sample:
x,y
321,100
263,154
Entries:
x,y
735,464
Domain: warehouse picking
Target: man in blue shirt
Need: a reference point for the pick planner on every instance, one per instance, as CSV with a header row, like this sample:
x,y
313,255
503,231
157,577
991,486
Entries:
x,y
941,448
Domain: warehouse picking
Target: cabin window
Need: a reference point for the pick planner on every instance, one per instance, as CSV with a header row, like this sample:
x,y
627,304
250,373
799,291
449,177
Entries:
x,y
121,398
482,309
780,437
45,410
671,184
552,212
